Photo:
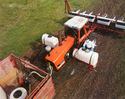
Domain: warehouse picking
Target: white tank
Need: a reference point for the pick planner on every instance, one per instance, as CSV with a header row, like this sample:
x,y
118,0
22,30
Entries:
x,y
87,57
50,40
2,94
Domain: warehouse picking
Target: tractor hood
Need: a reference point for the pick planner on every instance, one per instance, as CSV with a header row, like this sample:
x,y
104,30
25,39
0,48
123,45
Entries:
x,y
57,55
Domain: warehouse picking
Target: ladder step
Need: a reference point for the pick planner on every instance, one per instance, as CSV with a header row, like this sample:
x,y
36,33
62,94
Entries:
x,y
104,21
120,24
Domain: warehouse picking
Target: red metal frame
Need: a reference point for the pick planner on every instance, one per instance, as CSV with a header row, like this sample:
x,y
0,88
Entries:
x,y
87,31
44,90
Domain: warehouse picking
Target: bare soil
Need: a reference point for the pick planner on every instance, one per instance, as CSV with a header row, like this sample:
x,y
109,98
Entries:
x,y
74,81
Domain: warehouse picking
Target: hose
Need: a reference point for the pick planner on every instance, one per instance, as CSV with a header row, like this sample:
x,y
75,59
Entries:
x,y
34,72
51,69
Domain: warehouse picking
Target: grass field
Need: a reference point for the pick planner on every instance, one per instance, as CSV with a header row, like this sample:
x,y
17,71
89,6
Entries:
x,y
24,21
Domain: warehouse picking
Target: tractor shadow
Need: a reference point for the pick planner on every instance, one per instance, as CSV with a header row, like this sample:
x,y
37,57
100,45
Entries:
x,y
113,35
36,53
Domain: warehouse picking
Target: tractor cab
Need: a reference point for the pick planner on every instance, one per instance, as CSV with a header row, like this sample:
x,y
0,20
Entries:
x,y
76,27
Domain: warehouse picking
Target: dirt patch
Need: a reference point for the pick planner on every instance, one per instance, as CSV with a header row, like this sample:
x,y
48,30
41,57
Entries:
x,y
106,83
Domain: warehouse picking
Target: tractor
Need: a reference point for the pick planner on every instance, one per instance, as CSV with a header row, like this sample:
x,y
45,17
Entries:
x,y
75,44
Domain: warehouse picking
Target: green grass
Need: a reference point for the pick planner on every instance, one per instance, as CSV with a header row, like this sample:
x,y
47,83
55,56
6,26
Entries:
x,y
24,21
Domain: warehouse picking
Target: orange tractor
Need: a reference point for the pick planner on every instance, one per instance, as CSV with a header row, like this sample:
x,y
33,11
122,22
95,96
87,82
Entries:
x,y
75,43
77,30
